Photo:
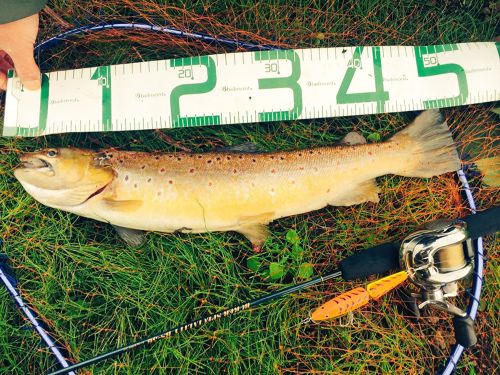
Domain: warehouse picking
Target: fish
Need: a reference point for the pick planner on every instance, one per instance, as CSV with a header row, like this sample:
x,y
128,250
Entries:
x,y
229,190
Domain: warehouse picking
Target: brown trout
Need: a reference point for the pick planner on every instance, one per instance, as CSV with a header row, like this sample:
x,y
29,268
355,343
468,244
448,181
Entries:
x,y
229,191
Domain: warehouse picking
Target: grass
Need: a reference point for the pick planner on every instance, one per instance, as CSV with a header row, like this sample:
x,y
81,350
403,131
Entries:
x,y
96,294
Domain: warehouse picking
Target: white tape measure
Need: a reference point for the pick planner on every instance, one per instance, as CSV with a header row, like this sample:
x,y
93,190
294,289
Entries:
x,y
257,86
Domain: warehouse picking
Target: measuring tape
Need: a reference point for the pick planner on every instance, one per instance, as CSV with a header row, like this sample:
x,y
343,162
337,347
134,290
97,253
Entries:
x,y
246,87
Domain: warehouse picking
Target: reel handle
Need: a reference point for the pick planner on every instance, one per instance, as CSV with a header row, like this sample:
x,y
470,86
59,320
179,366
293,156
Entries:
x,y
464,331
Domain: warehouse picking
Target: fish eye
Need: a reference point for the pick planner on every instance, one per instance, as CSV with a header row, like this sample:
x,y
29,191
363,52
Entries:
x,y
52,153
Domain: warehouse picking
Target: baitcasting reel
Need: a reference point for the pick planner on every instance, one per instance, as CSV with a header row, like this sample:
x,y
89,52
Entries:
x,y
436,259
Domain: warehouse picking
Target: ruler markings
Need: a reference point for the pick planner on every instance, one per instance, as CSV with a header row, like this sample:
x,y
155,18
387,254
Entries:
x,y
285,84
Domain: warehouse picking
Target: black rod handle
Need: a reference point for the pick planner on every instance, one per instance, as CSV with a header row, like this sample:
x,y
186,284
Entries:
x,y
483,223
375,260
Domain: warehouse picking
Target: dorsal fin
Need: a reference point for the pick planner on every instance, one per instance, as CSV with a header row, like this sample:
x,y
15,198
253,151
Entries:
x,y
353,138
246,148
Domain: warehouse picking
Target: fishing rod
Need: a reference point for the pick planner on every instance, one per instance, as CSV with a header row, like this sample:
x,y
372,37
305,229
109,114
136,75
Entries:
x,y
8,279
428,256
378,259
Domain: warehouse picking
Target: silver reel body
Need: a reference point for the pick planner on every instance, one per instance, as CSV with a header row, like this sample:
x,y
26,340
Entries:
x,y
436,259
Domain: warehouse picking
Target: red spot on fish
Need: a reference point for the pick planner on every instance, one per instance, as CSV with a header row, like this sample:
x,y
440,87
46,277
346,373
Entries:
x,y
272,157
369,152
170,182
273,170
209,183
235,171
301,168
162,170
191,170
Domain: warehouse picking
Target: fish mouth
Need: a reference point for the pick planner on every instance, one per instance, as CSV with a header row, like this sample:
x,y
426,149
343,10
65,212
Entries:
x,y
34,162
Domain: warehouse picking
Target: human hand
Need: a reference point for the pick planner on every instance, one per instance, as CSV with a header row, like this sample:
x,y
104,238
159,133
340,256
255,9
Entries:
x,y
17,40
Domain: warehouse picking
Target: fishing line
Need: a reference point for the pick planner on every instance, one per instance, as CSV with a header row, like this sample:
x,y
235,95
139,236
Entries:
x,y
478,269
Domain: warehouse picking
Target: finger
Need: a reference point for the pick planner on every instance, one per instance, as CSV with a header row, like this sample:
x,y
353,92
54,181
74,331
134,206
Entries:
x,y
26,68
5,57
3,81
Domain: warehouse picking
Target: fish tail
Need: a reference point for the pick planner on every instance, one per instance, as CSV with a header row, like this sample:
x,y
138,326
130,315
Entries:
x,y
428,145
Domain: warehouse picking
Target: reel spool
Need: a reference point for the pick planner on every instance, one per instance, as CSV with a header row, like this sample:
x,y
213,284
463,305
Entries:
x,y
436,259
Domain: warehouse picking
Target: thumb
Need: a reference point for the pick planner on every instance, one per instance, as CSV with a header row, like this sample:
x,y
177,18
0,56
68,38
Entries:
x,y
3,81
26,68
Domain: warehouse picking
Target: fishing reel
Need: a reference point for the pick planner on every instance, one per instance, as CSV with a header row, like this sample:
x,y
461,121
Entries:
x,y
436,259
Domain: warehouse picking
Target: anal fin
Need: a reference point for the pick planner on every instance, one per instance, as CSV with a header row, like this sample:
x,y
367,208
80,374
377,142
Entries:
x,y
255,228
256,233
367,191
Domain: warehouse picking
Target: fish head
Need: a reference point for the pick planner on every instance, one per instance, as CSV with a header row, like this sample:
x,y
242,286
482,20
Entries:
x,y
60,177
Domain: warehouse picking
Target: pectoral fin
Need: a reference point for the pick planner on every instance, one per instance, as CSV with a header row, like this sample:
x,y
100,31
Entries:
x,y
133,237
122,206
364,192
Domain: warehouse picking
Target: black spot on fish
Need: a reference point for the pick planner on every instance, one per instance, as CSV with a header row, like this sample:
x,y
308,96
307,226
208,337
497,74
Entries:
x,y
126,178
